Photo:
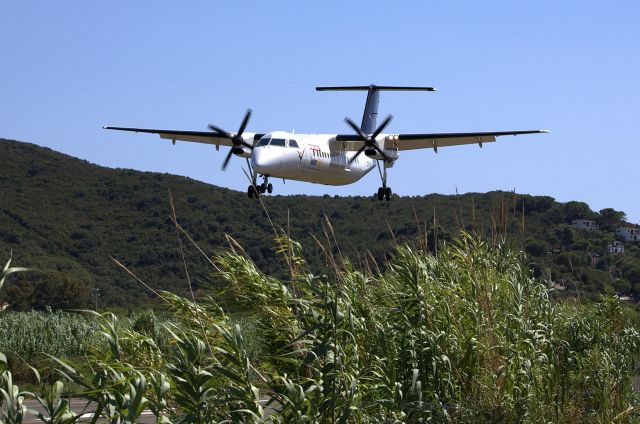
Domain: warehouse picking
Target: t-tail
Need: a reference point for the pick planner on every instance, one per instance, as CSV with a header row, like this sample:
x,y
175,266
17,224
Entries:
x,y
370,114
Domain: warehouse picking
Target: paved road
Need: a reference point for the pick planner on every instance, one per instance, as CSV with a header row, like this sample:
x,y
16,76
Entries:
x,y
77,406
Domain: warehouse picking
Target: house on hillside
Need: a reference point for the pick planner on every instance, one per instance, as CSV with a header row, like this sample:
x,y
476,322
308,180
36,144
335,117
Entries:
x,y
616,248
586,224
628,233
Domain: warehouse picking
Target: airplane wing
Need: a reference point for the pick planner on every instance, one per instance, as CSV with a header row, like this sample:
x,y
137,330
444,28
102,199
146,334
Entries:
x,y
432,140
207,137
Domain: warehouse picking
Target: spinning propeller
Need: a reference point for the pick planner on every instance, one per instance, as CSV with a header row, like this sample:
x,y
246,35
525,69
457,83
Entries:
x,y
236,139
370,146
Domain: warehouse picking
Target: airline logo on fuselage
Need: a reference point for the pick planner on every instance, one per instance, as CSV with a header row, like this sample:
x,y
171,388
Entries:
x,y
315,153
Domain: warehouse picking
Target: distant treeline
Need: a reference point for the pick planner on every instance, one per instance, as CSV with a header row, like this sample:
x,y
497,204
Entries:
x,y
68,218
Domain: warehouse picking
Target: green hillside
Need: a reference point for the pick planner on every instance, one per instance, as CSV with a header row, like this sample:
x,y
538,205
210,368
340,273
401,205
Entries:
x,y
67,216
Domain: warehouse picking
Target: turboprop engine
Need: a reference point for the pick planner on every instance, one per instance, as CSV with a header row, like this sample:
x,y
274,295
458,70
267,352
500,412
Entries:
x,y
243,151
389,154
240,146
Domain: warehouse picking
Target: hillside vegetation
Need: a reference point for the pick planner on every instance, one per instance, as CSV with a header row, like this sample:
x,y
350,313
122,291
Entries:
x,y
67,217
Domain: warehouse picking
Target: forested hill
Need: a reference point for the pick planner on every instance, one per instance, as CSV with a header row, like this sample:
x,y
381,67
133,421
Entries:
x,y
66,217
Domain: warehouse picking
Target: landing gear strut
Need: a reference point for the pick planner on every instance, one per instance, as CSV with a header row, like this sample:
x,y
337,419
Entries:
x,y
384,192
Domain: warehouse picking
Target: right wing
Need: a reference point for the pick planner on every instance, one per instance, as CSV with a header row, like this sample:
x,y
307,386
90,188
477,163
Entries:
x,y
430,140
433,141
207,137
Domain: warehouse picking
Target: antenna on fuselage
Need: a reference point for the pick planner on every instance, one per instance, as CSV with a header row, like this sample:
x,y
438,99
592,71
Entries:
x,y
373,98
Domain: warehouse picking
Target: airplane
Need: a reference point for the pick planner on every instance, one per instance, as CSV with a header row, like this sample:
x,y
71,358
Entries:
x,y
330,159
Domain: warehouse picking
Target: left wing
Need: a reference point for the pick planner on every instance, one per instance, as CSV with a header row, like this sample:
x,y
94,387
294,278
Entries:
x,y
207,137
433,140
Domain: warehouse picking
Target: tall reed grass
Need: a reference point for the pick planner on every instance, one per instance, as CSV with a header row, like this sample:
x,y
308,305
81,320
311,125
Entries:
x,y
467,335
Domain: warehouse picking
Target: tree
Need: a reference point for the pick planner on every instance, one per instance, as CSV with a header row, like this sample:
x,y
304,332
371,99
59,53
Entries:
x,y
610,218
577,210
566,235
536,247
60,290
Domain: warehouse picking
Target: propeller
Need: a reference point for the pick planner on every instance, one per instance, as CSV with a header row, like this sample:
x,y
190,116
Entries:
x,y
369,140
236,140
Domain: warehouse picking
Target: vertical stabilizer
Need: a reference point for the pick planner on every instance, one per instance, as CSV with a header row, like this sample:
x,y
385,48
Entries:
x,y
370,114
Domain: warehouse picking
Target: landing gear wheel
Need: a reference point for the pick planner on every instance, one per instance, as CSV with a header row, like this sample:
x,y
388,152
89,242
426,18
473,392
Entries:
x,y
253,191
387,193
269,188
263,188
380,193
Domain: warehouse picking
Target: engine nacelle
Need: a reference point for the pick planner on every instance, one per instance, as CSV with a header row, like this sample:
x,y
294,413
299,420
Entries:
x,y
374,154
242,151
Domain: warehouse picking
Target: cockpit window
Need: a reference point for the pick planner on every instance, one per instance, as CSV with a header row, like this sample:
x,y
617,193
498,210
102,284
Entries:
x,y
277,142
263,141
293,143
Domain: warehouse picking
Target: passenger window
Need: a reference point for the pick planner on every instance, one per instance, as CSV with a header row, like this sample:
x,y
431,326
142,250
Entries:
x,y
277,142
293,143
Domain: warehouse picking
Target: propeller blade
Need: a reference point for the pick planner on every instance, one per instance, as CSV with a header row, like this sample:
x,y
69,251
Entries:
x,y
357,154
226,160
244,122
220,131
355,128
381,127
245,144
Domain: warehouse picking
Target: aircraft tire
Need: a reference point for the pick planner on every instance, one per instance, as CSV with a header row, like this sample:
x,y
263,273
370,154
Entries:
x,y
387,193
262,188
270,188
381,193
250,192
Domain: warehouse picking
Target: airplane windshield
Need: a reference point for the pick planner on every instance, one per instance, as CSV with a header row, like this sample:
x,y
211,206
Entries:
x,y
277,142
263,141
293,143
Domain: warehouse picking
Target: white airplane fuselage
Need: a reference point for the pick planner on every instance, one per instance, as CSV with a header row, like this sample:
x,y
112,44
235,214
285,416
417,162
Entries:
x,y
312,158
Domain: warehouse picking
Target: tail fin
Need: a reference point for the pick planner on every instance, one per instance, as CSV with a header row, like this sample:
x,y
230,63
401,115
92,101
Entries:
x,y
373,98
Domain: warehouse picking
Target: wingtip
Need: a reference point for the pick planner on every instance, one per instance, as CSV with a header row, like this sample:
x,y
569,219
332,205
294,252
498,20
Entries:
x,y
545,131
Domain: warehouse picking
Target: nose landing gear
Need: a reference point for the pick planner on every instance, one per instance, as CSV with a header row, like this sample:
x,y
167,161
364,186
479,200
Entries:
x,y
266,187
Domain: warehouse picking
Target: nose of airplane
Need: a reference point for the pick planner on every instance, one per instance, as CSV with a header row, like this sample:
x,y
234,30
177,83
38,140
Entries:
x,y
262,159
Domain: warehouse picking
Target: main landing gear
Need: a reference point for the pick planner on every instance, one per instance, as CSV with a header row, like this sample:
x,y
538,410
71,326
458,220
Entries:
x,y
255,190
384,192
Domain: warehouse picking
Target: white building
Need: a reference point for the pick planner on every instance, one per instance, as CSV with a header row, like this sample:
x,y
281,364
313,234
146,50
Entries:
x,y
628,233
616,248
587,224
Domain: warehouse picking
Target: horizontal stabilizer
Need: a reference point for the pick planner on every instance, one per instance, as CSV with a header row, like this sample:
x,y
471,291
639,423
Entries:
x,y
375,87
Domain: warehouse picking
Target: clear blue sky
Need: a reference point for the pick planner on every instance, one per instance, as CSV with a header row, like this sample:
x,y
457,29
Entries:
x,y
67,68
